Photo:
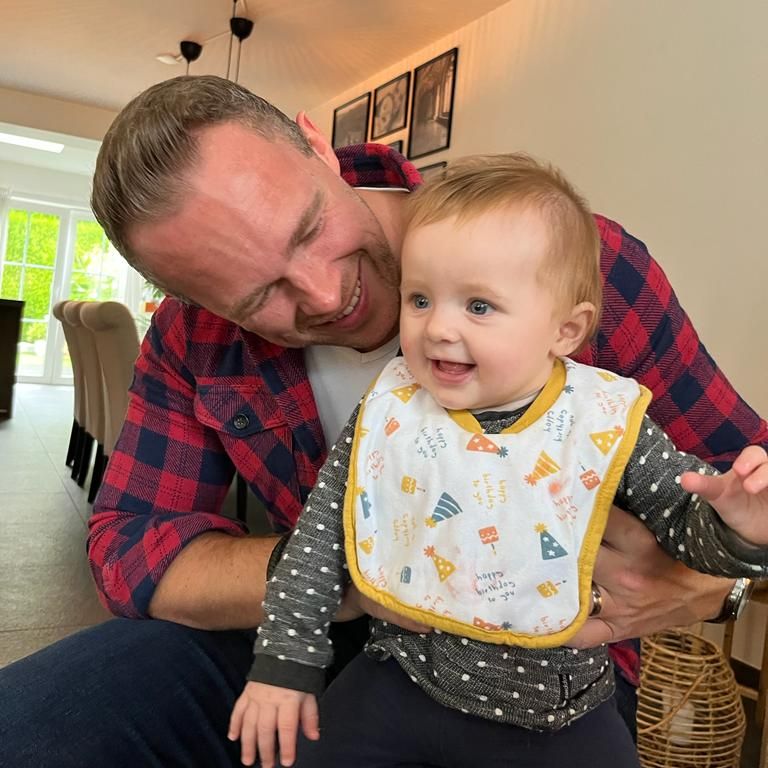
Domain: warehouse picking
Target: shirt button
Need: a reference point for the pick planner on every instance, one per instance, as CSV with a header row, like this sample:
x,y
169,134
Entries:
x,y
241,421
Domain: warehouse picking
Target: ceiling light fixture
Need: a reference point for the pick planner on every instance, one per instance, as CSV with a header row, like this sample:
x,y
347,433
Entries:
x,y
191,51
25,141
239,27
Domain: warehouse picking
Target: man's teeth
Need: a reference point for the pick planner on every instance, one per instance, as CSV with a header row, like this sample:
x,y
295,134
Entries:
x,y
352,304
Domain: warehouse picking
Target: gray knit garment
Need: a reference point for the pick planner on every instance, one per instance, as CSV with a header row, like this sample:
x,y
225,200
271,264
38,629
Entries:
x,y
542,689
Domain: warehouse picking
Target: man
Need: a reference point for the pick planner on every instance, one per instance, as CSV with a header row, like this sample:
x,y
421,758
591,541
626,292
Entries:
x,y
286,281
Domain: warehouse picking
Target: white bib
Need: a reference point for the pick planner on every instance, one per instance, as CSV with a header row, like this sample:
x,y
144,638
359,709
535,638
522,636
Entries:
x,y
491,537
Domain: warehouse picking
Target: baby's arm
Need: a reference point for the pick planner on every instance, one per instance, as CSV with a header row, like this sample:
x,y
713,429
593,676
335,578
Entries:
x,y
740,495
292,649
685,525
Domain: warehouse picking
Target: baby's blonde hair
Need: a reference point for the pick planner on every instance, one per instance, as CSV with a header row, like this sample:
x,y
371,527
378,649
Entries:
x,y
478,184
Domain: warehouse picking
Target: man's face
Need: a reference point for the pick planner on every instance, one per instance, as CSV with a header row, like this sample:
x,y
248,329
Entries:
x,y
276,242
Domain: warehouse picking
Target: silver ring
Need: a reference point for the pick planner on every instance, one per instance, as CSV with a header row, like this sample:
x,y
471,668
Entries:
x,y
597,601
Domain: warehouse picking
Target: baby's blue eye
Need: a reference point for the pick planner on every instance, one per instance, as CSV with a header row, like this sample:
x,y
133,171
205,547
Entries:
x,y
479,307
419,301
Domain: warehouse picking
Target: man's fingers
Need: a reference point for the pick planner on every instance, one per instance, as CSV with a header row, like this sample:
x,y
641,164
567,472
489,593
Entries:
x,y
608,564
595,632
623,531
310,718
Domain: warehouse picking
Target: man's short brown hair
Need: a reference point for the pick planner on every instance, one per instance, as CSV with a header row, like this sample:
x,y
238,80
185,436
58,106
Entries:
x,y
151,145
479,184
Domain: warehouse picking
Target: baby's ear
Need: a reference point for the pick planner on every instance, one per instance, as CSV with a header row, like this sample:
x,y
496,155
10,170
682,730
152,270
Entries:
x,y
573,329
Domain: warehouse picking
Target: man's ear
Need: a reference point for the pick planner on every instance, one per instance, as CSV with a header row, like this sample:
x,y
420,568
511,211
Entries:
x,y
320,145
573,329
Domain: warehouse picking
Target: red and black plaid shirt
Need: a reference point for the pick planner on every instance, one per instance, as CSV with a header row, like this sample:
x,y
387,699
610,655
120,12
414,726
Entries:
x,y
209,398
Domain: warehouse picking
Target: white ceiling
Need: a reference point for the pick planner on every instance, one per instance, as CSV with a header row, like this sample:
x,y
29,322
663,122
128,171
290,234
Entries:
x,y
301,52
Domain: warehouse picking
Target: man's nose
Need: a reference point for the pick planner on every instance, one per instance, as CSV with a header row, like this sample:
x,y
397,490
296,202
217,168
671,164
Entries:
x,y
317,288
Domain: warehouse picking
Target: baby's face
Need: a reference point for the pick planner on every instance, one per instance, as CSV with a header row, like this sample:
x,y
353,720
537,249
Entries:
x,y
477,327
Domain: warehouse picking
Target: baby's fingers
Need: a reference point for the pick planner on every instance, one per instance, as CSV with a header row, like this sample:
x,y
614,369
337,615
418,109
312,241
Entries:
x,y
236,719
248,736
709,487
287,728
310,718
265,736
750,460
756,481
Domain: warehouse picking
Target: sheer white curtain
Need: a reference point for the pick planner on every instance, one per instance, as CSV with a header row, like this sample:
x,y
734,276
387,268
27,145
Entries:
x,y
5,196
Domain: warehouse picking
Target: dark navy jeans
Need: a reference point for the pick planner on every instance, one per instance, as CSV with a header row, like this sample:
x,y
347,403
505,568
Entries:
x,y
127,693
143,694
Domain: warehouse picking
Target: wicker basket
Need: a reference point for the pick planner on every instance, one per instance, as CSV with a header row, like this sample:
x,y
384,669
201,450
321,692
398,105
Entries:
x,y
689,708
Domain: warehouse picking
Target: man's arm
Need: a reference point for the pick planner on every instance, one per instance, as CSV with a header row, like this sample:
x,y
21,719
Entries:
x,y
162,493
216,582
645,334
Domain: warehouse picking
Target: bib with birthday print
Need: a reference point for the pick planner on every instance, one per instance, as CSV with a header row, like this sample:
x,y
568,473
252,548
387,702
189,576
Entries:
x,y
492,537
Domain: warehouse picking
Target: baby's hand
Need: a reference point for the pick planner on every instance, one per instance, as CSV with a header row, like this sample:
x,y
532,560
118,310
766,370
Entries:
x,y
740,495
263,710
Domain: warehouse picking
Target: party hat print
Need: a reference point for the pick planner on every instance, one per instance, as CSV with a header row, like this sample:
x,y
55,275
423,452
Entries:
x,y
482,444
365,502
545,465
407,392
606,440
444,567
366,545
446,507
550,548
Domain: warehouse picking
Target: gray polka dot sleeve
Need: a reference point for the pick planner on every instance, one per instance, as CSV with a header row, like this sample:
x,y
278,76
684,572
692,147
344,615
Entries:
x,y
686,526
292,649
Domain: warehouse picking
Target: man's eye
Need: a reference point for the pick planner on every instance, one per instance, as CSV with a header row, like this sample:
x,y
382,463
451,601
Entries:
x,y
479,307
419,301
314,232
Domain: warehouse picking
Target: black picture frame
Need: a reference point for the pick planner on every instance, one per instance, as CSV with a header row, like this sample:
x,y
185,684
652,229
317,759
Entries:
x,y
434,84
433,171
390,106
396,145
350,122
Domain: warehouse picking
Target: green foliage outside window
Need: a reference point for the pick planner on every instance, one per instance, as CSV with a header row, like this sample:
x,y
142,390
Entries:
x,y
30,257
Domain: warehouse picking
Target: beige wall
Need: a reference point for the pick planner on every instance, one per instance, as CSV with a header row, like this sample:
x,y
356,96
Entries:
x,y
48,114
658,112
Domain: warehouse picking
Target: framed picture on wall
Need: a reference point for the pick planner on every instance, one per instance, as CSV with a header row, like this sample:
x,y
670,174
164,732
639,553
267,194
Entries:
x,y
350,122
432,105
434,171
396,145
390,106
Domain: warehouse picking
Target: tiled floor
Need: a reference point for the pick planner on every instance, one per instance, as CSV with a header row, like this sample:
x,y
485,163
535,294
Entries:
x,y
46,591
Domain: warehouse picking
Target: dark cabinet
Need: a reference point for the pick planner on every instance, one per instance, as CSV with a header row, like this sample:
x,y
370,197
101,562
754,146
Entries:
x,y
10,328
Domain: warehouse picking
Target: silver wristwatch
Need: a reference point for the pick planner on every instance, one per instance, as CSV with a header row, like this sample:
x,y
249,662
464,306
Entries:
x,y
735,601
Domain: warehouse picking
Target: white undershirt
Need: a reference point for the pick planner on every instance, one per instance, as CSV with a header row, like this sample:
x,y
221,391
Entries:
x,y
339,377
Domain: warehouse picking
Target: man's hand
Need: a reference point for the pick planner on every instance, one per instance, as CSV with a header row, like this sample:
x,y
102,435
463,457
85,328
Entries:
x,y
265,711
356,604
644,590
